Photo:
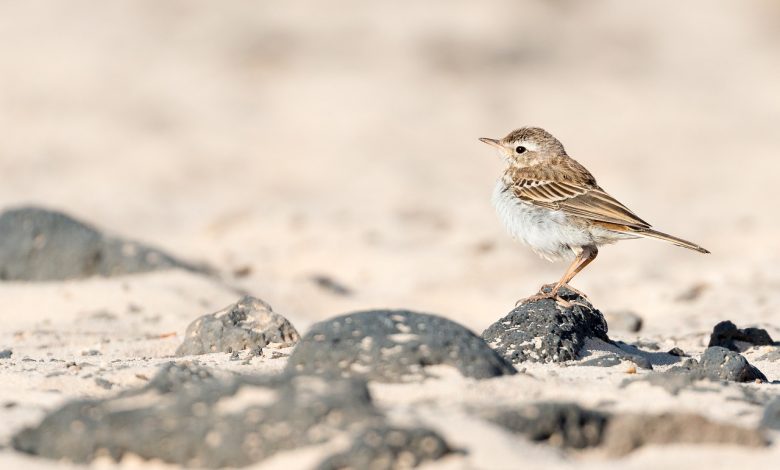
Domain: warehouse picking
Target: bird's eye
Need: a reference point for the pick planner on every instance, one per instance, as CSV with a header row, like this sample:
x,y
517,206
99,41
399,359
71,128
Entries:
x,y
520,149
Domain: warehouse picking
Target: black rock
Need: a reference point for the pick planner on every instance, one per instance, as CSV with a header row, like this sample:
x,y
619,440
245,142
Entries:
x,y
389,448
393,346
6,353
545,331
720,363
675,351
726,334
42,245
771,418
250,323
717,363
560,424
187,416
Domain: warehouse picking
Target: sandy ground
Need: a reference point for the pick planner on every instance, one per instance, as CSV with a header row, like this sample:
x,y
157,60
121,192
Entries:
x,y
279,142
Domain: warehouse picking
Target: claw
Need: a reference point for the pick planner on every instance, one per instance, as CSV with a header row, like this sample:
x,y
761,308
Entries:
x,y
578,292
552,293
540,296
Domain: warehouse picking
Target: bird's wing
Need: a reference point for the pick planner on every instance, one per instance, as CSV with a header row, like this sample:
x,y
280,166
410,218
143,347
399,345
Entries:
x,y
580,199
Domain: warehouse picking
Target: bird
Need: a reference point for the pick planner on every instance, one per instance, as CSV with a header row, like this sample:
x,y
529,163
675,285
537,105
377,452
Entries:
x,y
552,203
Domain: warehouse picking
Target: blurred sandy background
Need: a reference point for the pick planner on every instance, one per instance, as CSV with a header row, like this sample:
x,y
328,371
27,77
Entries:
x,y
339,139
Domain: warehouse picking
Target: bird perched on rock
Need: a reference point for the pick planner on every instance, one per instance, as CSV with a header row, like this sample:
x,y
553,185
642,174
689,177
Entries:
x,y
553,204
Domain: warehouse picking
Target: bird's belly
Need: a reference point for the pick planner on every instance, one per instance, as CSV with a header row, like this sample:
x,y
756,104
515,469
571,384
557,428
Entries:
x,y
549,233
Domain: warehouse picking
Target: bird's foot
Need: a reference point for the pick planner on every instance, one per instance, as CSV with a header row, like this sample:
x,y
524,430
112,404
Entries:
x,y
548,291
568,287
540,296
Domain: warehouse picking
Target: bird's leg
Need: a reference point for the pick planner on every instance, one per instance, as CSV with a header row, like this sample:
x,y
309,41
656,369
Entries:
x,y
583,258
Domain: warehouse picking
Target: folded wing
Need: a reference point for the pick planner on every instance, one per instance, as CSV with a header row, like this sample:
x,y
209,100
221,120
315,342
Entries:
x,y
580,200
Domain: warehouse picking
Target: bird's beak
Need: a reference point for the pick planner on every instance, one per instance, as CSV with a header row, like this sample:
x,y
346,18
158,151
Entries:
x,y
493,142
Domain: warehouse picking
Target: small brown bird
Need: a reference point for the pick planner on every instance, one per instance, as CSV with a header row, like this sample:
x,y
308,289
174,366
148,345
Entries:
x,y
553,204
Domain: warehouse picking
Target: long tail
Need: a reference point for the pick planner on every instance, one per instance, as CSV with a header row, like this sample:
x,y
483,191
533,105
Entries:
x,y
650,233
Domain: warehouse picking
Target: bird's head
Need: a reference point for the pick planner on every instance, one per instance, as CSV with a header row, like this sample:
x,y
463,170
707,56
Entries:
x,y
527,146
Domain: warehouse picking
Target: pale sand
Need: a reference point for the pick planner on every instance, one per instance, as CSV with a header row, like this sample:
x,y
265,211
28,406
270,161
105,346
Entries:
x,y
341,140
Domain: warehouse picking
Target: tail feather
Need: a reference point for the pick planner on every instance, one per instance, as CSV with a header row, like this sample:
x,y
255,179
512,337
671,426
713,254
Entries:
x,y
650,233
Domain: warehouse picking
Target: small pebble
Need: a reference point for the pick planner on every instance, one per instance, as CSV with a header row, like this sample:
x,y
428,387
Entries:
x,y
677,352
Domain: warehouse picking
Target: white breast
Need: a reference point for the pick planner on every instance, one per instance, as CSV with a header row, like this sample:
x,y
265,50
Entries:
x,y
549,233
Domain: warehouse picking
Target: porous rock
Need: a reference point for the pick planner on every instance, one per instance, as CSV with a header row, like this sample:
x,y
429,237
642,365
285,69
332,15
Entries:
x,y
675,351
389,448
717,363
560,424
545,331
42,245
188,416
394,346
727,335
249,323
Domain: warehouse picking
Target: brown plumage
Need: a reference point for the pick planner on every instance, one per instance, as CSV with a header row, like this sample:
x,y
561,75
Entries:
x,y
552,203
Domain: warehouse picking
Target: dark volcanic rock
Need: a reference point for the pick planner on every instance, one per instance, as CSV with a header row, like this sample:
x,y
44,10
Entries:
x,y
559,424
771,418
544,331
717,363
393,346
6,353
249,323
187,416
675,351
720,363
625,433
727,335
41,245
389,448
